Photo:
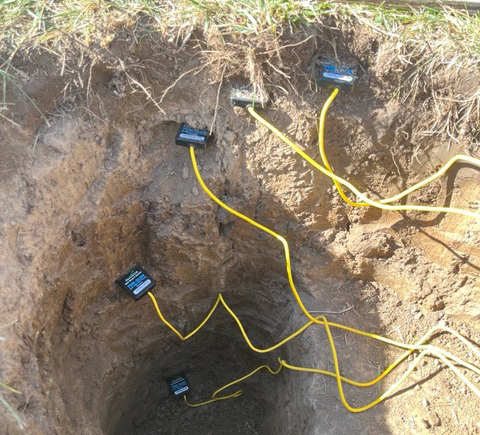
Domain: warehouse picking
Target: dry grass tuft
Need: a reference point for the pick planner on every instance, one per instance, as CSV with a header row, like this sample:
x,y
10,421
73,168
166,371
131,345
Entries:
x,y
249,38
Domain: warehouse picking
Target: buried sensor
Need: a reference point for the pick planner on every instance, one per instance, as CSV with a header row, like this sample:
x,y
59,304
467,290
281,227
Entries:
x,y
136,282
245,95
333,74
178,385
192,137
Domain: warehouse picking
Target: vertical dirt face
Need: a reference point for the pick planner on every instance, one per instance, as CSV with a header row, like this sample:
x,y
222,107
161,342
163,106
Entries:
x,y
96,194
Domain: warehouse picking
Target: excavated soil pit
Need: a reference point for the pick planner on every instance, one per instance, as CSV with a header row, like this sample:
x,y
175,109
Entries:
x,y
103,187
105,357
116,354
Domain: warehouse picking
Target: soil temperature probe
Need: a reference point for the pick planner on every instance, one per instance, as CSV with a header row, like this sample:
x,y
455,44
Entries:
x,y
136,282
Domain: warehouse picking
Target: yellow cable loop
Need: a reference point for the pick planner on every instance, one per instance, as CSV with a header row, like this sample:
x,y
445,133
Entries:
x,y
216,399
439,173
237,393
236,381
382,203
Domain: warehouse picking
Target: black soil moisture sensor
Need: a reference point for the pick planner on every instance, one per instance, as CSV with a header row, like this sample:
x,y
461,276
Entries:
x,y
178,385
246,95
191,137
137,282
337,75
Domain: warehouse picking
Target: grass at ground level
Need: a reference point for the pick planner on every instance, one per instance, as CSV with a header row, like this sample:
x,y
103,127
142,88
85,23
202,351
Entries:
x,y
33,22
430,42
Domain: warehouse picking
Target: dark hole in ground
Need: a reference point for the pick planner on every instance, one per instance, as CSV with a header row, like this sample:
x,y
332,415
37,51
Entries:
x,y
210,360
112,354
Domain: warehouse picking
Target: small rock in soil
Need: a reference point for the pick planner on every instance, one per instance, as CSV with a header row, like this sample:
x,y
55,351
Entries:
x,y
434,418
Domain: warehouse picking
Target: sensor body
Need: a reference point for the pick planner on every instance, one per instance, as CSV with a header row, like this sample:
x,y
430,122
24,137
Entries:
x,y
192,137
178,385
136,282
246,95
335,74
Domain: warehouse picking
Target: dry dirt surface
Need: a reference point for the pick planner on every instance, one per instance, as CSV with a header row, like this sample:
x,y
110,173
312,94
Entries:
x,y
99,186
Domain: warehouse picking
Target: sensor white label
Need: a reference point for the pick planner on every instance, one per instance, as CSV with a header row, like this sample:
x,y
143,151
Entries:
x,y
142,286
341,77
191,137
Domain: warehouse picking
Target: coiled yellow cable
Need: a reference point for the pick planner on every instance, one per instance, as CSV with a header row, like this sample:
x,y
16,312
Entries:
x,y
382,204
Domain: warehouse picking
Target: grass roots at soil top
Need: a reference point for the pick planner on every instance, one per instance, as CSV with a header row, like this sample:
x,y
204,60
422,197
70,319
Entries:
x,y
249,35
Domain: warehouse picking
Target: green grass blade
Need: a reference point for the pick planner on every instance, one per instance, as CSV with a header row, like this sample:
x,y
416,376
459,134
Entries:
x,y
7,387
12,412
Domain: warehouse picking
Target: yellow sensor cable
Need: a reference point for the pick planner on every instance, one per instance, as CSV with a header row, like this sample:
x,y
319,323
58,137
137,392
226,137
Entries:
x,y
435,351
439,173
425,349
382,204
237,393
287,258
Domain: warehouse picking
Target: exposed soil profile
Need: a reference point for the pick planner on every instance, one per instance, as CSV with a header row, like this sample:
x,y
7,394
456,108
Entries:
x,y
100,186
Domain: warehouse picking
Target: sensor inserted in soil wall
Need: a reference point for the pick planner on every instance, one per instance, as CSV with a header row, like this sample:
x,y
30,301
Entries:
x,y
332,74
192,137
246,95
136,282
178,385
